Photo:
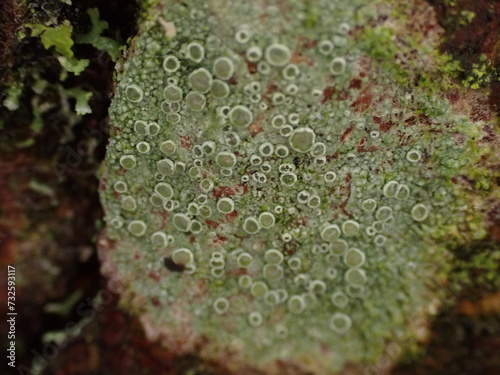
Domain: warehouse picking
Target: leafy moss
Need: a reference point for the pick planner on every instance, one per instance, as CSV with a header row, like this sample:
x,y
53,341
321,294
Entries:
x,y
95,38
379,44
60,37
82,100
481,74
73,65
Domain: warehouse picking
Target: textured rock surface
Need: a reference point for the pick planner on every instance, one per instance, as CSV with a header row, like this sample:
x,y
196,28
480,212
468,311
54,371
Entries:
x,y
276,194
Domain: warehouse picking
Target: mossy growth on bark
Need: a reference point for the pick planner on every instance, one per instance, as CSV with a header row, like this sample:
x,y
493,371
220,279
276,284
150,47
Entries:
x,y
276,192
51,55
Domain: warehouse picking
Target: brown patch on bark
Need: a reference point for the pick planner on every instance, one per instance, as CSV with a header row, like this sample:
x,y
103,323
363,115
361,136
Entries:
x,y
363,101
211,224
345,135
186,142
231,216
154,276
305,43
255,129
220,239
327,94
384,126
223,191
355,84
346,192
362,144
289,248
252,67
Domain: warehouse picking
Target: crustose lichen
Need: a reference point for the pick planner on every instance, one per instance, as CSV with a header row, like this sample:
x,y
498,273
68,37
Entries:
x,y
251,184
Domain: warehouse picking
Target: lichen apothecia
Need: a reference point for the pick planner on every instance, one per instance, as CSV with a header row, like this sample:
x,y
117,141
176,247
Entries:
x,y
252,183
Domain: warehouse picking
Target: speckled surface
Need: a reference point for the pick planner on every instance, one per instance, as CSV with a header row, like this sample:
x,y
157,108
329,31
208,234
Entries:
x,y
274,193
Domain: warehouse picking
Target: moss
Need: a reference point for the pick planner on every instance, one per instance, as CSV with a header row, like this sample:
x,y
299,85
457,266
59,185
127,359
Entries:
x,y
405,53
82,98
470,28
46,69
94,37
379,43
477,267
60,38
481,74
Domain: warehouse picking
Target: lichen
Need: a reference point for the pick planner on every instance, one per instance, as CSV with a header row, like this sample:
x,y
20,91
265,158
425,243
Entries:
x,y
273,191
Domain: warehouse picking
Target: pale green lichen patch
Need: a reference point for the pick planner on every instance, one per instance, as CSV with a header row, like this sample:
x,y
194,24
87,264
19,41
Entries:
x,y
296,190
